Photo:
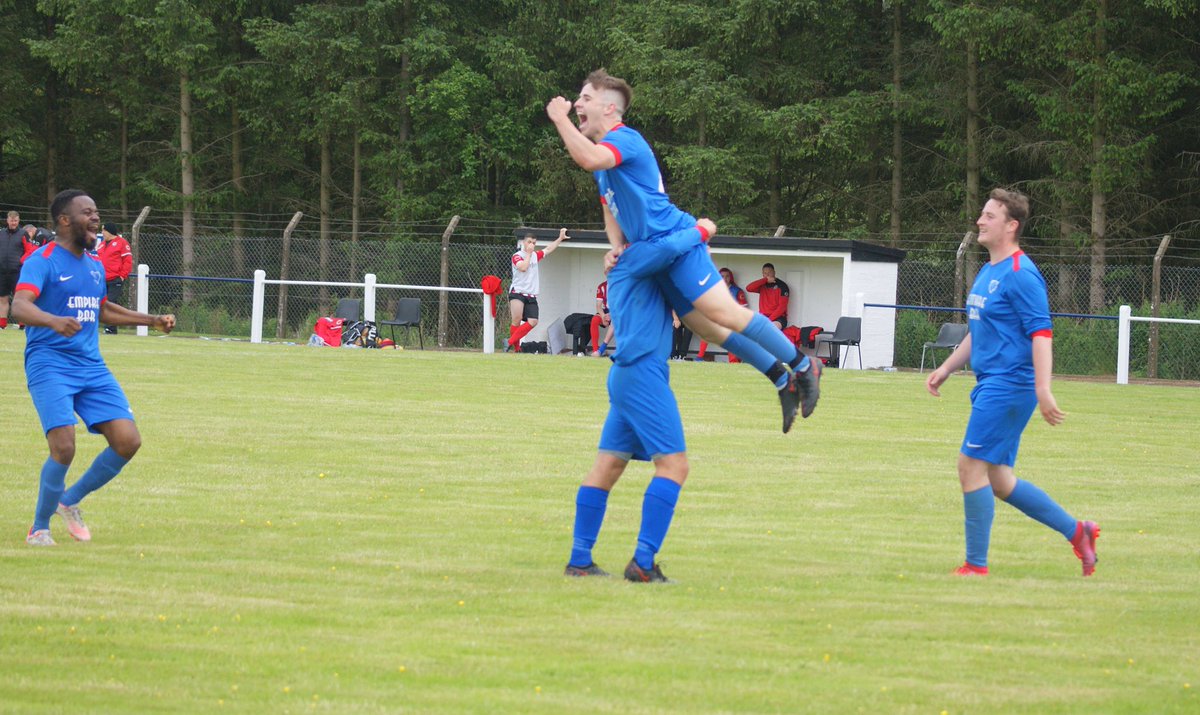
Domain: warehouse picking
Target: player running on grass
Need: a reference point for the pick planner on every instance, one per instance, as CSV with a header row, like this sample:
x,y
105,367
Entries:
x,y
61,298
1010,349
637,208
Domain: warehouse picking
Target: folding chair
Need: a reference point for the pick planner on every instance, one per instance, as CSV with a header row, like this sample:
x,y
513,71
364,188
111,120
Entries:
x,y
848,334
408,316
348,309
950,335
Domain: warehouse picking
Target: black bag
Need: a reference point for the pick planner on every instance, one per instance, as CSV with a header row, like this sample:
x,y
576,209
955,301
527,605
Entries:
x,y
579,327
539,346
361,333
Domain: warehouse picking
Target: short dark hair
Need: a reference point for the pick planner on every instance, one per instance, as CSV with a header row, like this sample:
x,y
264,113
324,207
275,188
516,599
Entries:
x,y
61,201
1015,204
601,79
112,228
769,265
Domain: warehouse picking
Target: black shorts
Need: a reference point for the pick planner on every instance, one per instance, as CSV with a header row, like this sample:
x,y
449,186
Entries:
x,y
530,303
8,282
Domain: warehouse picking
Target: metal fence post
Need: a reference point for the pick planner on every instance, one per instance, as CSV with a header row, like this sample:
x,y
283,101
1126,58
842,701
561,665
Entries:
x,y
256,311
283,274
143,291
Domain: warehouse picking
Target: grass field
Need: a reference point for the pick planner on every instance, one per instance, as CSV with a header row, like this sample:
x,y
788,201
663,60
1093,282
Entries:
x,y
316,530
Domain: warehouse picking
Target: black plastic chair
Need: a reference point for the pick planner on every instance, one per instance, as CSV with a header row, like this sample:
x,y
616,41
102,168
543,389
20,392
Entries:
x,y
348,309
950,336
848,334
408,316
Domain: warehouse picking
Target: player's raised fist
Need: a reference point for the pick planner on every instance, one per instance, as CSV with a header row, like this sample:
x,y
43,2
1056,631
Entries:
x,y
558,108
164,323
707,225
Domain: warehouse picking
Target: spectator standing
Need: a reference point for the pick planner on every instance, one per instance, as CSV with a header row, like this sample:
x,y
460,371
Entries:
x,y
11,250
117,258
33,238
522,294
773,296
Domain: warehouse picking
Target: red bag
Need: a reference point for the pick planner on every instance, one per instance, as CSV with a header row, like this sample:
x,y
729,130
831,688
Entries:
x,y
330,330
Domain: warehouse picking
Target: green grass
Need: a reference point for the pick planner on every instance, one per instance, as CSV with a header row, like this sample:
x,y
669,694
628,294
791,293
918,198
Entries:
x,y
318,530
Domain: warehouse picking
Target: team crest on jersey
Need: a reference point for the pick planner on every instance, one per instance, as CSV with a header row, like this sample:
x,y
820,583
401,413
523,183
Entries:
x,y
993,286
97,276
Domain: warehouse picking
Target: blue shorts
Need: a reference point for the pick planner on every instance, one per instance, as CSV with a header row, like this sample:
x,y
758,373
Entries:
x,y
999,414
690,276
92,393
643,419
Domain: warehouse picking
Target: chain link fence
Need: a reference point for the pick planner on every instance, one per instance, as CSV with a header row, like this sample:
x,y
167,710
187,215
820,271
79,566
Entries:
x,y
412,254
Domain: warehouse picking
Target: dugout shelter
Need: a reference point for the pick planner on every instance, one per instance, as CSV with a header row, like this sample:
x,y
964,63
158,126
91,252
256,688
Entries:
x,y
828,278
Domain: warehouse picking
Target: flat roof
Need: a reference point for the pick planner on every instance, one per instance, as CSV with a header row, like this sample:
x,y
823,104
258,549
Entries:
x,y
858,250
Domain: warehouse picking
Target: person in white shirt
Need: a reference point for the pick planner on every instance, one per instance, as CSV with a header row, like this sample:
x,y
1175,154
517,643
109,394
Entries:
x,y
522,294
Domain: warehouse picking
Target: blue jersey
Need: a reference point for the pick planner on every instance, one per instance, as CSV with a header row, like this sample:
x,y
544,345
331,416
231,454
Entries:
x,y
67,286
633,189
1006,309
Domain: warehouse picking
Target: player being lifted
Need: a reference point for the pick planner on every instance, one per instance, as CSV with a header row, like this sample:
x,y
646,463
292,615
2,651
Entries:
x,y
637,208
60,297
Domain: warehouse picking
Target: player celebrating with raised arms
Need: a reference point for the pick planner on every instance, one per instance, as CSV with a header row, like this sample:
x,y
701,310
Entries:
x,y
61,298
1010,349
636,208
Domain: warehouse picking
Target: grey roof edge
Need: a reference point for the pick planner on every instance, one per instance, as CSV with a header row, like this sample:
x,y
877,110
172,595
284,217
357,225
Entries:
x,y
859,250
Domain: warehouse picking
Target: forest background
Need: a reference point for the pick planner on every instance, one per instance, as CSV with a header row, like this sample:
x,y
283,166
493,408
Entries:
x,y
881,121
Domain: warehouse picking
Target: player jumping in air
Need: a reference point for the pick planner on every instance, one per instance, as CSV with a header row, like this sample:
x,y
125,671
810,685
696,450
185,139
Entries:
x,y
1010,349
60,297
636,208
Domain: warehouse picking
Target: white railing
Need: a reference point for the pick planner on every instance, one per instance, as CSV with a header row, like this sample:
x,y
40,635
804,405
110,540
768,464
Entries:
x,y
369,286
1125,317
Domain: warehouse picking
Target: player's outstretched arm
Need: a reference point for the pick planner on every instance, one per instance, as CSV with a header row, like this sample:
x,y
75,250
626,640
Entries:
x,y
957,359
26,312
553,245
113,314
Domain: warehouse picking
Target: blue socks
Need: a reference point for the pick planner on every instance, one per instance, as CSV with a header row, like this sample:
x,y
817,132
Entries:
x,y
753,353
1037,505
658,507
107,465
590,503
772,339
979,508
50,490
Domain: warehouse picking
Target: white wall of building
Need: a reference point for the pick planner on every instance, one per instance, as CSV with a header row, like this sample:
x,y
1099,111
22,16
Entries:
x,y
824,286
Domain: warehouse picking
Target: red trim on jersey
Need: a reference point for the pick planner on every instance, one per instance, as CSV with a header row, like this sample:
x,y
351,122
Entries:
x,y
616,152
703,233
29,287
518,257
1017,260
1047,333
48,249
541,255
603,201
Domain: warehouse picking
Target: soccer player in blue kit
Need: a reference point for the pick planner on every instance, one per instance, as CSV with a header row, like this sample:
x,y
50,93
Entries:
x,y
61,299
637,208
1010,349
658,262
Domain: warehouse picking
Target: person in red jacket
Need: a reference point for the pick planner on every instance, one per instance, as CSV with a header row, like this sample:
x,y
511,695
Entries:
x,y
117,258
773,295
